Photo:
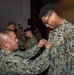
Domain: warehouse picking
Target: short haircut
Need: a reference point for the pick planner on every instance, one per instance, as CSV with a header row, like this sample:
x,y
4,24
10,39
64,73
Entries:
x,y
11,22
4,35
28,29
46,9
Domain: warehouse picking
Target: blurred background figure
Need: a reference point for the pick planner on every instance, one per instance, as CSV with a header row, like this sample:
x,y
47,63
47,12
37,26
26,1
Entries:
x,y
38,34
31,40
11,25
21,35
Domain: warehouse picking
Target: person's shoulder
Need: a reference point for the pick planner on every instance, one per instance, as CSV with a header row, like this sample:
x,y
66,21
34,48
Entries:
x,y
13,57
33,38
6,55
68,24
68,30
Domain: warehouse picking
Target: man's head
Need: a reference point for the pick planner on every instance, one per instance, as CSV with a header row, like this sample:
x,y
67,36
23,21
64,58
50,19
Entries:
x,y
11,25
49,16
20,29
28,32
8,40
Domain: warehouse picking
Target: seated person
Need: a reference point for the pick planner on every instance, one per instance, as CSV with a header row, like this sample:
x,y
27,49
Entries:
x,y
11,25
31,40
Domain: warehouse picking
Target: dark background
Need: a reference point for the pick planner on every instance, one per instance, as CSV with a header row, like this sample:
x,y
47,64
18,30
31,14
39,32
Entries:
x,y
35,9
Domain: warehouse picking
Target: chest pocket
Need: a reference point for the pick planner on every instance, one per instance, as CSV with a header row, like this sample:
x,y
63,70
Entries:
x,y
58,40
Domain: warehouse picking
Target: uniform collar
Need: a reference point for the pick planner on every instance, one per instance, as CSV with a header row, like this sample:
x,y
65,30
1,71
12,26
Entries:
x,y
6,51
61,26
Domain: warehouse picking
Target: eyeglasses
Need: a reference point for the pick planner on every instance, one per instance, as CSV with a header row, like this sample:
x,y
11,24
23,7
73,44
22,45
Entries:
x,y
46,22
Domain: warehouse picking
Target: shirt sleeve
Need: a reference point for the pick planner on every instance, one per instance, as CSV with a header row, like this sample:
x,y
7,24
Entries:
x,y
28,53
22,66
70,48
31,43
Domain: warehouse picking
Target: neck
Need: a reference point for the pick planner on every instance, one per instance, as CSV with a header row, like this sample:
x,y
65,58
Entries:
x,y
6,49
59,21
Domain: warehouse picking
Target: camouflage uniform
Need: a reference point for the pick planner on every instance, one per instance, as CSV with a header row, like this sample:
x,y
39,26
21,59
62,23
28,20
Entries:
x,y
38,36
62,53
21,39
28,53
31,42
20,44
11,64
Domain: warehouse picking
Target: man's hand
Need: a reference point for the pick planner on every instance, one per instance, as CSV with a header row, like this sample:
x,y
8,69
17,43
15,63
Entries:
x,y
42,43
48,45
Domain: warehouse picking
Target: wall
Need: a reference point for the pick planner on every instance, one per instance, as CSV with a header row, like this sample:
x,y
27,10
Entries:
x,y
26,13
65,9
14,10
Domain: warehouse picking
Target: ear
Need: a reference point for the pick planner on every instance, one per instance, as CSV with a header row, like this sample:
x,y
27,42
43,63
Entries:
x,y
5,44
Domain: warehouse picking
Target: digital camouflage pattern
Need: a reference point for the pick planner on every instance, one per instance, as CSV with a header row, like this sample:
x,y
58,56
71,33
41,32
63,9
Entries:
x,y
21,37
38,36
28,53
62,53
12,64
20,44
31,42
